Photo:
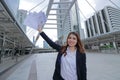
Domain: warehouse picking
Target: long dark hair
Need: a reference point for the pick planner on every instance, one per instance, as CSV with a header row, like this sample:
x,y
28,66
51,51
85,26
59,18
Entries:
x,y
79,44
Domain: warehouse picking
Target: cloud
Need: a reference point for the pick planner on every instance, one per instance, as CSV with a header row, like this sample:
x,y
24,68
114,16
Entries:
x,y
29,4
23,4
86,9
100,4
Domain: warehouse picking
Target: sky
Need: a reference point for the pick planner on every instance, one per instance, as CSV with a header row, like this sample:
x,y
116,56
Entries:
x,y
85,8
31,32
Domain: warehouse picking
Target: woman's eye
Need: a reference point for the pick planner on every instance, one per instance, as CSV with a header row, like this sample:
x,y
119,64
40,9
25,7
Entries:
x,y
74,38
69,38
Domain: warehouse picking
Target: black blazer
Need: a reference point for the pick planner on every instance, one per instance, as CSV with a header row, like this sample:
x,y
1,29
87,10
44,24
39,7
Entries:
x,y
80,61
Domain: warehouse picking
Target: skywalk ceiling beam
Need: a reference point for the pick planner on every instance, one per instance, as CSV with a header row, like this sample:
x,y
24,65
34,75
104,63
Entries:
x,y
57,14
66,9
60,9
52,24
49,28
66,2
55,19
49,7
73,1
51,19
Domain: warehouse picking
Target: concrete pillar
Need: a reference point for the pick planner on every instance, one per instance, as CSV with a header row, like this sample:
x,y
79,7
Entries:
x,y
115,45
102,21
3,45
93,26
98,29
89,27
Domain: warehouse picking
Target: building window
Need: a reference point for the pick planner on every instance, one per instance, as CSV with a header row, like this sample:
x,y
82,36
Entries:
x,y
105,21
95,25
88,33
100,23
91,27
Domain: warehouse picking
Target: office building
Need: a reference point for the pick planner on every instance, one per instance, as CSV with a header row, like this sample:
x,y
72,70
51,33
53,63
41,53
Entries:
x,y
13,6
104,21
71,23
19,15
20,18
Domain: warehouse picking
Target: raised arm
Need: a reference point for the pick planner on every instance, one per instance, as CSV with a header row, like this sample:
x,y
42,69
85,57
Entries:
x,y
49,41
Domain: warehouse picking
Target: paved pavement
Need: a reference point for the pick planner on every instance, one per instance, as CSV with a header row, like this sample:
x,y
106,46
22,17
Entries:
x,y
41,67
8,62
103,66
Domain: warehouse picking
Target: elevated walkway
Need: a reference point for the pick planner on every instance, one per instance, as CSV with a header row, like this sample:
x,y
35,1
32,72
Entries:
x,y
10,31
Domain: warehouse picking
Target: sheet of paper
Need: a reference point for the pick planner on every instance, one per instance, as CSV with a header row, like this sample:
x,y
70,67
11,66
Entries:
x,y
34,19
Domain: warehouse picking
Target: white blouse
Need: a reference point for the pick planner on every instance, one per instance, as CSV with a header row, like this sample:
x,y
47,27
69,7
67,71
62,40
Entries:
x,y
68,65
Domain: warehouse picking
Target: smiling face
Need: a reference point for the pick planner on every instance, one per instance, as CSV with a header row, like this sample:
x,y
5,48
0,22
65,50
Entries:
x,y
72,40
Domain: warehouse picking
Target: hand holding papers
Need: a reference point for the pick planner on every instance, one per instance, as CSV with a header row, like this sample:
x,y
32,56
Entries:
x,y
39,28
35,19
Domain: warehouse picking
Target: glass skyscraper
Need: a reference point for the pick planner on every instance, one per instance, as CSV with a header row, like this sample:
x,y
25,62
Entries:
x,y
13,5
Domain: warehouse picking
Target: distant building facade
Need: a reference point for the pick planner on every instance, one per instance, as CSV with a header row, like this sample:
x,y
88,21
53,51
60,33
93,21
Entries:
x,y
21,17
71,23
13,5
104,21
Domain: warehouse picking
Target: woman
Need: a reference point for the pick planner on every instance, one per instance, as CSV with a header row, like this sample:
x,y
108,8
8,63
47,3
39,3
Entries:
x,y
71,58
